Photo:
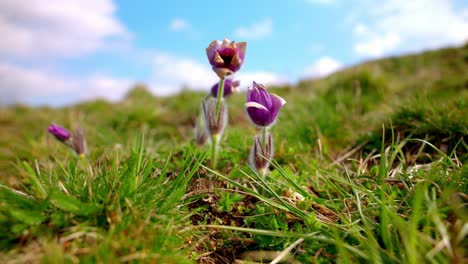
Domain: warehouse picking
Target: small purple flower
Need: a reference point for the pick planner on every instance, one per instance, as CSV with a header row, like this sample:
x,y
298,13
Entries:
x,y
59,132
226,57
230,87
262,107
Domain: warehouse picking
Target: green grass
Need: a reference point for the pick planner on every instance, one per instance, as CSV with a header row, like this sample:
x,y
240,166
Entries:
x,y
369,166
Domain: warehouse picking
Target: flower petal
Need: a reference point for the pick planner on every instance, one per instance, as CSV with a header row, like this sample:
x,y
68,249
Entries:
x,y
277,100
258,113
212,50
263,96
277,103
222,72
241,46
256,105
230,87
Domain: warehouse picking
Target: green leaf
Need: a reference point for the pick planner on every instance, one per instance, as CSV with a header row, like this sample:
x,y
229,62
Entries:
x,y
72,205
29,217
39,189
16,198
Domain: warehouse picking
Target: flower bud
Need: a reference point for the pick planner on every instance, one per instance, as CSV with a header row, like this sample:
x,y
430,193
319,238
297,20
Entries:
x,y
261,153
230,87
214,125
79,142
60,133
201,134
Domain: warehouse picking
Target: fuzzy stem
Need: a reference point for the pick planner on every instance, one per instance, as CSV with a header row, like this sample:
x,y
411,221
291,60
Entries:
x,y
214,150
264,136
265,130
219,97
215,137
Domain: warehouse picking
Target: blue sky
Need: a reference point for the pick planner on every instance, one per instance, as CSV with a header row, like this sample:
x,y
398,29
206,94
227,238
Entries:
x,y
63,51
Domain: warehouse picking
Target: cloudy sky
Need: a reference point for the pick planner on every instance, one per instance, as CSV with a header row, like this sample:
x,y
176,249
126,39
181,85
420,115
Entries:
x,y
57,52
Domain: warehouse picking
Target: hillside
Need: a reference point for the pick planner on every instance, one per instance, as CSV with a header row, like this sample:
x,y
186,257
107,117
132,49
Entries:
x,y
378,151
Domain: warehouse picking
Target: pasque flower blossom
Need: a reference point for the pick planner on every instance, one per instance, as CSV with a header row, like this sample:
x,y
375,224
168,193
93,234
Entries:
x,y
262,107
226,57
60,133
230,87
75,140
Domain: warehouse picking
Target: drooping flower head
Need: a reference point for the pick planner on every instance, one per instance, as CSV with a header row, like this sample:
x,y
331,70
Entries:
x,y
262,107
75,140
60,133
226,57
230,87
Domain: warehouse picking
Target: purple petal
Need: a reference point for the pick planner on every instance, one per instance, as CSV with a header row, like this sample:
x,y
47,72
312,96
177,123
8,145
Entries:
x,y
277,103
59,132
251,97
258,113
212,50
265,98
261,96
241,51
229,88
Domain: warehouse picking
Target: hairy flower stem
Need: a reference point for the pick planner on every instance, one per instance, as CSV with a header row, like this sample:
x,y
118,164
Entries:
x,y
263,171
215,137
214,150
219,97
264,136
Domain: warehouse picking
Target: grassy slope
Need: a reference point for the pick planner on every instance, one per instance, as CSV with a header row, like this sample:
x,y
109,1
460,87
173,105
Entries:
x,y
148,200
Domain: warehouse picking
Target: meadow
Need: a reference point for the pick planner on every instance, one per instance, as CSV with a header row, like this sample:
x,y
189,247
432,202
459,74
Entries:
x,y
369,167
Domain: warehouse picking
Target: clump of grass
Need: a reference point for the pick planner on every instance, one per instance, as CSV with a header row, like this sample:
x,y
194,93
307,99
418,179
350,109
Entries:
x,y
110,205
442,123
387,211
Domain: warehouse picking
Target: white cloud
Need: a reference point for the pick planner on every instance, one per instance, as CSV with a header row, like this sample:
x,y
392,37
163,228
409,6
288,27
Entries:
x,y
400,25
108,87
58,28
377,46
172,73
322,67
178,24
265,78
257,30
38,87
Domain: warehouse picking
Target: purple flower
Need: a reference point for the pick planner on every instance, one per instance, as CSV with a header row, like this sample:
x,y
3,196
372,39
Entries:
x,y
230,87
59,132
262,107
226,57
